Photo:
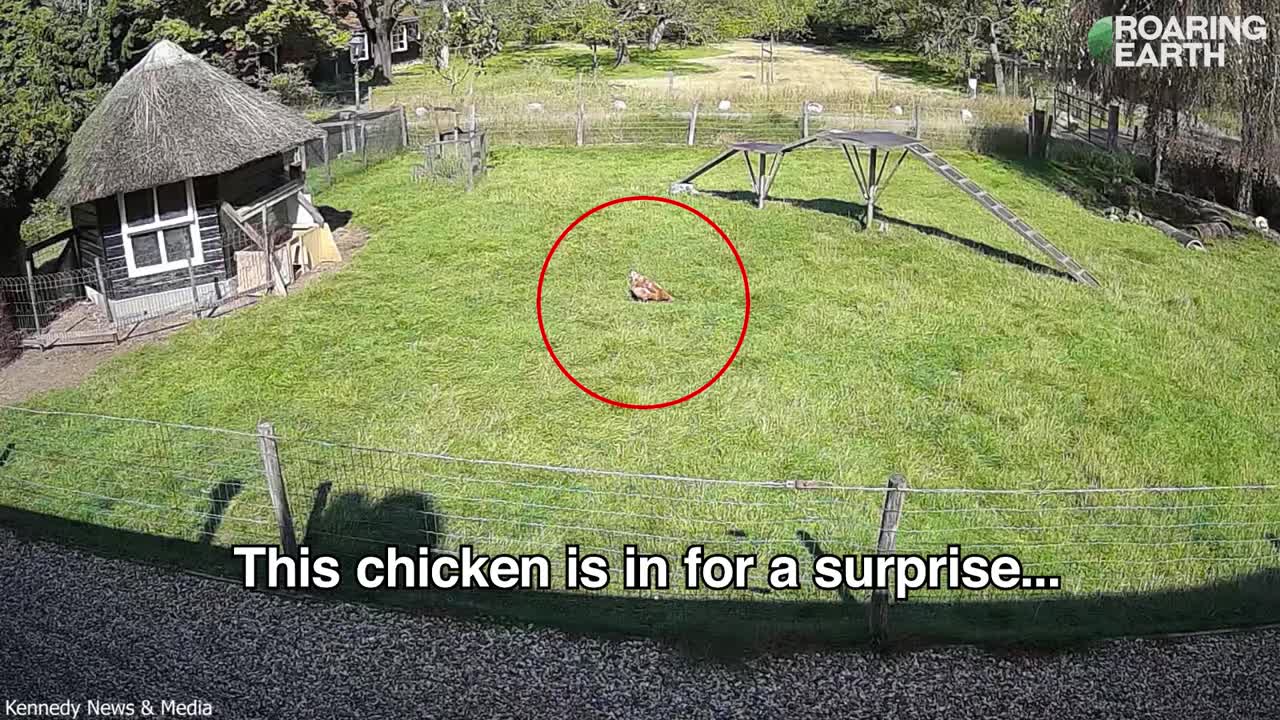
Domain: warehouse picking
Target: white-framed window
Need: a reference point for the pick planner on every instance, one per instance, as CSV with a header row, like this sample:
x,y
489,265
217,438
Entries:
x,y
161,228
400,38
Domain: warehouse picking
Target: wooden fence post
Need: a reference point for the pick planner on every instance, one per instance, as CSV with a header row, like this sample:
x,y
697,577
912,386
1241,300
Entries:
x,y
582,123
878,611
35,306
106,299
195,293
693,124
915,117
328,166
364,143
275,486
671,83
471,159
804,120
404,128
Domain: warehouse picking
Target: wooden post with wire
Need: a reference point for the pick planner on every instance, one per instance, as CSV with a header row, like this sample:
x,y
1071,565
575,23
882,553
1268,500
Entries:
x,y
35,305
328,165
106,299
275,487
878,610
195,292
693,124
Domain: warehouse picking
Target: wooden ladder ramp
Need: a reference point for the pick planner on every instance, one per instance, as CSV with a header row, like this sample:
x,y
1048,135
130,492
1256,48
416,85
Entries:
x,y
1007,216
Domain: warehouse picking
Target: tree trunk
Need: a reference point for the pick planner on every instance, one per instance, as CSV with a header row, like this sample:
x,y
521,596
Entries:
x,y
622,52
1157,154
382,50
442,57
1250,152
595,57
12,249
998,65
1244,193
655,35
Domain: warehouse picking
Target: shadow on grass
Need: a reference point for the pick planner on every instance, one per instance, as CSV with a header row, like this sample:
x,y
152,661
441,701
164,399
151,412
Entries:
x,y
855,211
899,61
733,628
219,498
570,61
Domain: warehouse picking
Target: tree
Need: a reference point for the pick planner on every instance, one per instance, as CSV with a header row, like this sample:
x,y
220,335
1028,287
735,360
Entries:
x,y
248,38
694,20
772,19
1254,84
49,73
378,19
591,23
472,36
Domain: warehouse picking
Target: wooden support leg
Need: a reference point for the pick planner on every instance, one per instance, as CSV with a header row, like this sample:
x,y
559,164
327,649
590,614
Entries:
x,y
872,186
697,173
773,174
760,181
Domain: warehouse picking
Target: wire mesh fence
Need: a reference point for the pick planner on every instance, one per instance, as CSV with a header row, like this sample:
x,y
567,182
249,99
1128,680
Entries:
x,y
206,485
85,305
565,120
353,143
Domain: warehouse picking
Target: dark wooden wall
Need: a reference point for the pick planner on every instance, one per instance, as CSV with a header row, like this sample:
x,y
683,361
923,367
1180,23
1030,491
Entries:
x,y
84,219
106,241
248,183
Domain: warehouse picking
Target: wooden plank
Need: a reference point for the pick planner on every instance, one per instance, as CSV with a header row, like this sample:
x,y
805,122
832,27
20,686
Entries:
x,y
707,167
275,487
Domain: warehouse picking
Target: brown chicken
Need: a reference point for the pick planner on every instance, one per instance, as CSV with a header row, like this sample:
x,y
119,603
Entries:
x,y
646,290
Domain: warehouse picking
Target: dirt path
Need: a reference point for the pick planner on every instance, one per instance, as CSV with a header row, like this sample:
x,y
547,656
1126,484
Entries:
x,y
76,626
818,70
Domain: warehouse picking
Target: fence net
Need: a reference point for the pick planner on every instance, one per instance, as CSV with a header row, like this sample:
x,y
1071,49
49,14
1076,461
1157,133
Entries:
x,y
206,485
354,142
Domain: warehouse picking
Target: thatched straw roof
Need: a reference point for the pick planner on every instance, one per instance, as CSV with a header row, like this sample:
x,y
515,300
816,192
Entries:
x,y
174,117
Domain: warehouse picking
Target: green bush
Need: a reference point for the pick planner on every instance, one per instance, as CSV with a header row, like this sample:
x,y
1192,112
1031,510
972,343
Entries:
x,y
291,86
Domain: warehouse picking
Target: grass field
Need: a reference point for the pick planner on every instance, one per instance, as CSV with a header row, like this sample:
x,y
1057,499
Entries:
x,y
868,353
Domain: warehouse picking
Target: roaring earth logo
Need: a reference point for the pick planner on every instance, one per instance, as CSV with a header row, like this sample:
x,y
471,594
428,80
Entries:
x,y
1191,41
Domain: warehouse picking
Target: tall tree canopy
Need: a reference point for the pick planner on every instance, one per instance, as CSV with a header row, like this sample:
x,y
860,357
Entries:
x,y
51,79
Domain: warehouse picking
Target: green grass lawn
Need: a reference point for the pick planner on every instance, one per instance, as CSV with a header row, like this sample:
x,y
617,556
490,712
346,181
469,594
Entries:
x,y
868,353
545,68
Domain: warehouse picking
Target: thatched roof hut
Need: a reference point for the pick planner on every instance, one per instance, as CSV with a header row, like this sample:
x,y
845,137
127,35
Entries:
x,y
173,117
180,172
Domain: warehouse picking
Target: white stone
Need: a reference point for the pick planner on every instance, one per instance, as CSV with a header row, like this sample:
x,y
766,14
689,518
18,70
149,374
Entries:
x,y
535,107
897,110
816,108
966,116
619,105
725,105
421,112
1261,223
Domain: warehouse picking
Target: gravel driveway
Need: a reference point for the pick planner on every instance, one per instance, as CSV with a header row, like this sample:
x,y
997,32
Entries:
x,y
79,627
